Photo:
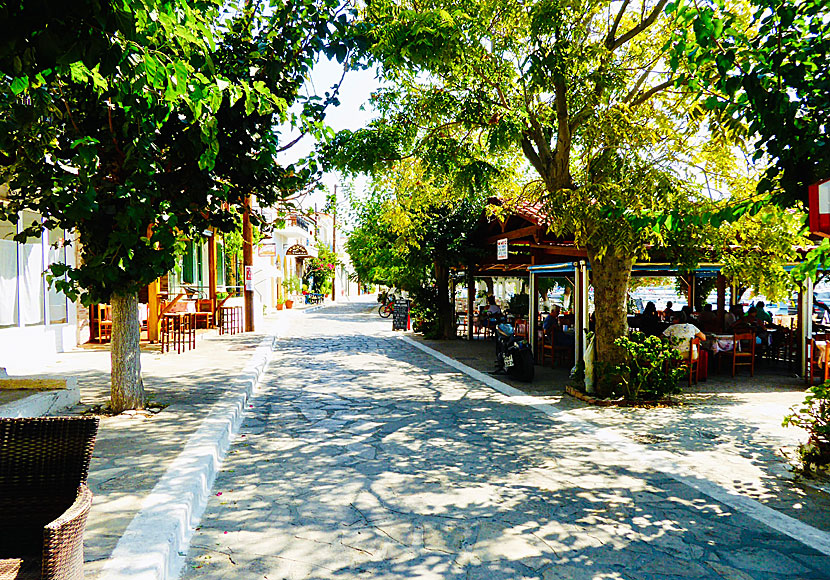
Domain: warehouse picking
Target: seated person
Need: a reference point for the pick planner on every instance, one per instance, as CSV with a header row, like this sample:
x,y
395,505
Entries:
x,y
684,333
708,320
493,313
551,319
736,312
668,312
650,323
553,329
687,310
492,308
762,314
750,323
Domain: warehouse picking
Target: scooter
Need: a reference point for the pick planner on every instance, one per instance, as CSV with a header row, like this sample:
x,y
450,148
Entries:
x,y
514,356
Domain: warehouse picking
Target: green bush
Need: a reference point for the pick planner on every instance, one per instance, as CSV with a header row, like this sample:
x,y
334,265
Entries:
x,y
292,285
424,313
650,371
813,415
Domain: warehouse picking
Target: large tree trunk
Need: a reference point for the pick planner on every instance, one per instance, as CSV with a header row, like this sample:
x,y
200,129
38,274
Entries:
x,y
610,278
446,322
127,389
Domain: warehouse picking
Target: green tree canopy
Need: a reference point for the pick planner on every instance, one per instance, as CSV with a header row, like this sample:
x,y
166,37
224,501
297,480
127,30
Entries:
x,y
761,66
151,127
581,89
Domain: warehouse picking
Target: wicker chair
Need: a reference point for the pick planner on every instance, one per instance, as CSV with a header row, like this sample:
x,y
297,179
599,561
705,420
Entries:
x,y
44,500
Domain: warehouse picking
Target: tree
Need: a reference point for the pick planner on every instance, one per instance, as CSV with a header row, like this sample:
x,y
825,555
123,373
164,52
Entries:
x,y
763,63
580,88
119,139
319,271
412,231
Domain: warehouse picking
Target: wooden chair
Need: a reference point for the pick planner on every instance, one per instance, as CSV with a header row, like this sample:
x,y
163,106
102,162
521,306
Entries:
x,y
692,363
741,357
817,354
103,322
556,352
520,328
44,500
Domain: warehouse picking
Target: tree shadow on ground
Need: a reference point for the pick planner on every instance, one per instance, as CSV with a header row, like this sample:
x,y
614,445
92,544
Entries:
x,y
357,463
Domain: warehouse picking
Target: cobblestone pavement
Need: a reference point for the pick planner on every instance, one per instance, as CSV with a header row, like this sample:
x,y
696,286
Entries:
x,y
363,457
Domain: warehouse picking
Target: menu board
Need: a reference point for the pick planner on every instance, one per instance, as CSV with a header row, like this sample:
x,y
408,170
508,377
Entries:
x,y
400,316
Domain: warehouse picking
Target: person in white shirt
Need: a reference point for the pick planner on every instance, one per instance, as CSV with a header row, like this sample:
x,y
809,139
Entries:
x,y
684,332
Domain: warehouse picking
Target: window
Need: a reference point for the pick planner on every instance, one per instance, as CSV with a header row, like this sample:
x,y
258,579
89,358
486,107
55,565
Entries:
x,y
56,254
220,263
187,264
31,276
23,294
8,275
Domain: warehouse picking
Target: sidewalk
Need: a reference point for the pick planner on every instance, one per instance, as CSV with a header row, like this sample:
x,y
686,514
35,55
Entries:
x,y
726,429
135,450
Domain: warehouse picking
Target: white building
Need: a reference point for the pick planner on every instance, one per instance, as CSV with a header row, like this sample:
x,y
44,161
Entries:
x,y
36,321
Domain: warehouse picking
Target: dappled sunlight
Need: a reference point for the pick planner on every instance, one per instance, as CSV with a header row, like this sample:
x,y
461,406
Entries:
x,y
365,457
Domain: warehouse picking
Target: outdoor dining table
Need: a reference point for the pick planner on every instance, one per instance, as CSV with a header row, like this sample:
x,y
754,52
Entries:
x,y
726,342
720,343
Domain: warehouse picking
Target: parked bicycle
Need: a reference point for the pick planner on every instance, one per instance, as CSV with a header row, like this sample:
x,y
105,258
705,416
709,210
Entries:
x,y
388,307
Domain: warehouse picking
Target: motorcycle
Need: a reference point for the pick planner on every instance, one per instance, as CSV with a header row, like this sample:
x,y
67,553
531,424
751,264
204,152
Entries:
x,y
514,356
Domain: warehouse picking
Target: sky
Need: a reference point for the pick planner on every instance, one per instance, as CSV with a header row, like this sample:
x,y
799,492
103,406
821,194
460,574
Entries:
x,y
353,113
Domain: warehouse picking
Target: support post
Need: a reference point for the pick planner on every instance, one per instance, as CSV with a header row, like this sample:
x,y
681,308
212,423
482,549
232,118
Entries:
x,y
334,244
806,327
471,299
721,284
690,297
579,329
247,260
212,273
583,306
153,311
533,308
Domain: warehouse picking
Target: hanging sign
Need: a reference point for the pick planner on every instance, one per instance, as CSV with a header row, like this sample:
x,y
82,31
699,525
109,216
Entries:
x,y
501,249
267,250
249,278
297,250
820,208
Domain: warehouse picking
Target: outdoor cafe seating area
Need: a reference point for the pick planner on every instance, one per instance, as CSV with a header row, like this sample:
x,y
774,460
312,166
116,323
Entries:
x,y
732,346
179,317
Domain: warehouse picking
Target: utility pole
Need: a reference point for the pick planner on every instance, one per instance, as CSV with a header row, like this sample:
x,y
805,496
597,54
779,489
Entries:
x,y
334,239
248,265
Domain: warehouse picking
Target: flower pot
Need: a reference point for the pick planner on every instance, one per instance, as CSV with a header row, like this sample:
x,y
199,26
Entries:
x,y
289,303
279,306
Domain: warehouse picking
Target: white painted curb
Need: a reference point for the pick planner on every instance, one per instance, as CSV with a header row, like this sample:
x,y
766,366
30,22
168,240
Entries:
x,y
42,403
155,544
662,461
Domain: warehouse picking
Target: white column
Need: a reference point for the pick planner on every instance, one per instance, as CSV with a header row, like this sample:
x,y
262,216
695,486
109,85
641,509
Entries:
x,y
576,302
531,314
806,323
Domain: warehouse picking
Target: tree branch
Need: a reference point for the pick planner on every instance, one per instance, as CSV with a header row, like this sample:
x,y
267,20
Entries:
x,y
651,92
609,40
531,155
648,21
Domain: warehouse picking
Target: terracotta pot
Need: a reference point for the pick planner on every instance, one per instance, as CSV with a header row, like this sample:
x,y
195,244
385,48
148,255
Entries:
x,y
289,303
279,306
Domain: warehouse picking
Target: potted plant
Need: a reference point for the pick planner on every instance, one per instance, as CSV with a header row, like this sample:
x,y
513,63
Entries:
x,y
280,303
292,288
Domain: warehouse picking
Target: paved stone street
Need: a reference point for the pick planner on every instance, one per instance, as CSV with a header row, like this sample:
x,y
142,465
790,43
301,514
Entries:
x,y
364,457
